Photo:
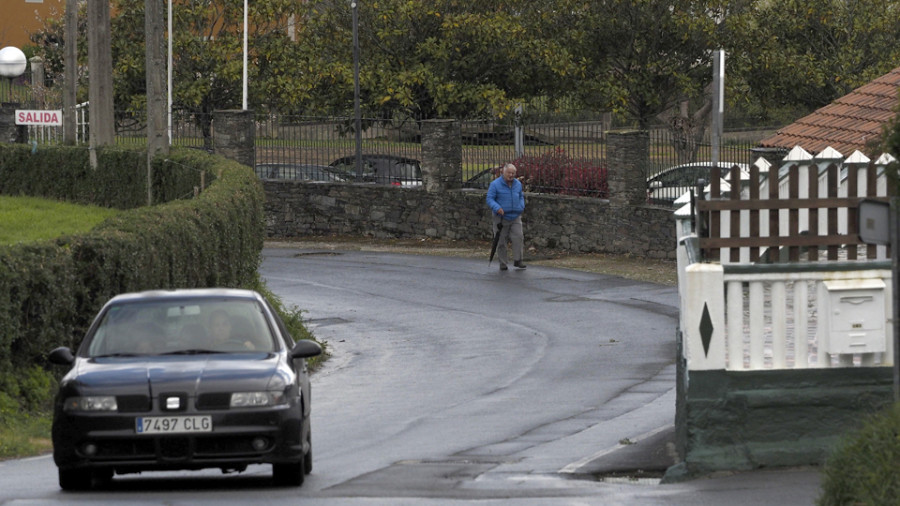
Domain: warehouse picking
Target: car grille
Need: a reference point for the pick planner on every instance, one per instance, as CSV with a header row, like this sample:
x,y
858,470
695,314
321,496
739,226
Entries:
x,y
174,448
135,448
133,403
177,448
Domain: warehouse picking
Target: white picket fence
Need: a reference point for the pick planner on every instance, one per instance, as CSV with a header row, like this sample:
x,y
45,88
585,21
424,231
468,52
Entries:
x,y
738,315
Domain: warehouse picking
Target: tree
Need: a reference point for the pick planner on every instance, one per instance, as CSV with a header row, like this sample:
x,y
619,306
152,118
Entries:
x,y
207,53
803,55
102,131
439,58
645,57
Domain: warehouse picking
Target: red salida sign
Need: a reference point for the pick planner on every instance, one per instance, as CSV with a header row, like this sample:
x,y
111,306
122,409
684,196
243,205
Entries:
x,y
38,118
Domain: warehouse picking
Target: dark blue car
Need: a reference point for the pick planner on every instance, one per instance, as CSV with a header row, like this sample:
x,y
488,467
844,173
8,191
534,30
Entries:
x,y
183,379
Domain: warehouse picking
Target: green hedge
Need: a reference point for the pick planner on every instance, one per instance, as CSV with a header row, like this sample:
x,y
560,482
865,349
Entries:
x,y
863,469
50,291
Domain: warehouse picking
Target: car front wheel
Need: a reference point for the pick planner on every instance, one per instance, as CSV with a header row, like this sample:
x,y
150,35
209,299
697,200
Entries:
x,y
307,459
75,479
289,475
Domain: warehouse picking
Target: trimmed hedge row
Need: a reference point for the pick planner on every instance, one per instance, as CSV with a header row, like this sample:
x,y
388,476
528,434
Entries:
x,y
50,291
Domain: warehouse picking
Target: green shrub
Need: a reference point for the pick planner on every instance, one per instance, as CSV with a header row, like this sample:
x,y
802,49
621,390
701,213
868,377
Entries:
x,y
557,172
50,290
863,470
292,317
32,387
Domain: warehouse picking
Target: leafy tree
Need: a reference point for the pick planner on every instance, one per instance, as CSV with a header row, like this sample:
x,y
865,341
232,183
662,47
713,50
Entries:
x,y
805,54
645,57
437,58
48,43
207,55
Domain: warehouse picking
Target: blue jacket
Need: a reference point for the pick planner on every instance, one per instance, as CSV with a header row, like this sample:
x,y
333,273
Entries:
x,y
510,198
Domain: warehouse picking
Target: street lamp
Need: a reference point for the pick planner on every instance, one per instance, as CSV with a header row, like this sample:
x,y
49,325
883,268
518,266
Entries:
x,y
12,65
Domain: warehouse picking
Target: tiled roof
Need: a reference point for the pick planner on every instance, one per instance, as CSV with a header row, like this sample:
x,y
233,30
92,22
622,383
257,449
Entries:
x,y
846,124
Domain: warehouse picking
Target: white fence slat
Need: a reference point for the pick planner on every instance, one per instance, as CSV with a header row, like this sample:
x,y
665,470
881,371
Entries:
x,y
779,326
822,358
735,318
757,326
801,325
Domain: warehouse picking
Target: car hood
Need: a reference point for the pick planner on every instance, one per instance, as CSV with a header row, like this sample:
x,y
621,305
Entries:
x,y
194,375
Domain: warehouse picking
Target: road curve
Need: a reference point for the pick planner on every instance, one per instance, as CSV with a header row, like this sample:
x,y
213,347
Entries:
x,y
451,379
450,382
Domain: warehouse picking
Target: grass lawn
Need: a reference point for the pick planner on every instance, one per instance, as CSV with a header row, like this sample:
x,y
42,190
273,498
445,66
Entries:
x,y
22,220
28,219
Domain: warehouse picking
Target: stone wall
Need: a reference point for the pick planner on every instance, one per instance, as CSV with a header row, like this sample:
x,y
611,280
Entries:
x,y
9,131
442,210
576,224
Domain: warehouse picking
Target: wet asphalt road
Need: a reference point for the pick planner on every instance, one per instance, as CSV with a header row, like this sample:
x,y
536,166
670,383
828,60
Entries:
x,y
449,383
451,379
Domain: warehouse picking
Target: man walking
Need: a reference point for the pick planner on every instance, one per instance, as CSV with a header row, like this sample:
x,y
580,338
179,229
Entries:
x,y
506,199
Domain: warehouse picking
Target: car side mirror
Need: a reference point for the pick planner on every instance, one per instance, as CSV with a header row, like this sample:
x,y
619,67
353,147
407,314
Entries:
x,y
306,348
61,356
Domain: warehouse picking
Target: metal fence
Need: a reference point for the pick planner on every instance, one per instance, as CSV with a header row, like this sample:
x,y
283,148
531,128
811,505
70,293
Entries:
x,y
486,144
302,141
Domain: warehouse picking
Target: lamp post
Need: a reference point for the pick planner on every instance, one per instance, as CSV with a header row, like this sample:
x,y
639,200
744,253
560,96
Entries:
x,y
12,65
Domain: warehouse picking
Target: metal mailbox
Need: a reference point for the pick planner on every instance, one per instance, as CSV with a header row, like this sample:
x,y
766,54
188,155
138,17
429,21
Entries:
x,y
853,316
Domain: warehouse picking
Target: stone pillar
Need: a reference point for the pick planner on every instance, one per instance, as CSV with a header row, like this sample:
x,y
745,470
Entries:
x,y
234,132
628,155
441,155
9,131
37,82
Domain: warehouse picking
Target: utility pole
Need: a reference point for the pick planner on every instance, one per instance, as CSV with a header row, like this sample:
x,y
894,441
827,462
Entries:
x,y
718,100
100,87
157,102
70,73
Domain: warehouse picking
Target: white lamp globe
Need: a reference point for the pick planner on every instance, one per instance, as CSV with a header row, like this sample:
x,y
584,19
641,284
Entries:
x,y
12,62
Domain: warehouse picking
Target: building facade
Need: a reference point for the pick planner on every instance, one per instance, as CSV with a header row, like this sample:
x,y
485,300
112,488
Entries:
x,y
22,17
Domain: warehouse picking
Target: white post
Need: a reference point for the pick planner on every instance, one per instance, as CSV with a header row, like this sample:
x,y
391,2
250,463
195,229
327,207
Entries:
x,y
703,317
718,102
519,135
245,55
169,76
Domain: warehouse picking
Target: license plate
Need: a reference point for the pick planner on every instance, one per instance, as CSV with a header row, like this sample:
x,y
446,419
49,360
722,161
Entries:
x,y
172,424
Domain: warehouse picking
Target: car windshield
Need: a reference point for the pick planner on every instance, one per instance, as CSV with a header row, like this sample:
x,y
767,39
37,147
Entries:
x,y
179,327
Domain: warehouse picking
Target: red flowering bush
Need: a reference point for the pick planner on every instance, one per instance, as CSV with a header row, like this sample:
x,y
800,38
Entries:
x,y
556,172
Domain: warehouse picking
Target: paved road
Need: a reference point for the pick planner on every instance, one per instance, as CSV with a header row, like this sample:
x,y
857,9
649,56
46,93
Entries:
x,y
464,379
451,382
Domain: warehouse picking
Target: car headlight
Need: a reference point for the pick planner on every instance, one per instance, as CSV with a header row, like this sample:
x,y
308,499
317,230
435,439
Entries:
x,y
91,403
257,399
